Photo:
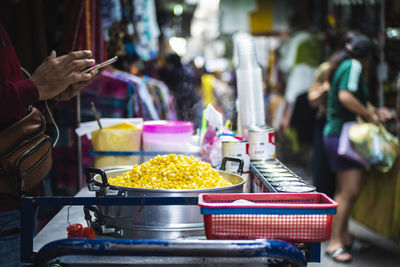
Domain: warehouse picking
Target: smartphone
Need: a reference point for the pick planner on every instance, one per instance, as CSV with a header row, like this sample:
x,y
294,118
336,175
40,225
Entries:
x,y
101,65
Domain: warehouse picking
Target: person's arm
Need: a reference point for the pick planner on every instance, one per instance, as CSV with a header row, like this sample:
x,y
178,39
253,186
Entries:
x,y
320,86
317,93
16,96
350,102
383,113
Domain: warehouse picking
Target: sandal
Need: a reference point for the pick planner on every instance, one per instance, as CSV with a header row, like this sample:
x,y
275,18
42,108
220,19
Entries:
x,y
334,255
357,245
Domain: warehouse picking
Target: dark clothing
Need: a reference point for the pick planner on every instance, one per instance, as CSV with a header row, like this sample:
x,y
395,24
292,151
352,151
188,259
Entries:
x,y
16,93
323,177
336,161
302,112
181,81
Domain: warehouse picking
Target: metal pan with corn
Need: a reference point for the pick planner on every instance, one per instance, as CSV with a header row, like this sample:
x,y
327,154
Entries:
x,y
163,176
172,172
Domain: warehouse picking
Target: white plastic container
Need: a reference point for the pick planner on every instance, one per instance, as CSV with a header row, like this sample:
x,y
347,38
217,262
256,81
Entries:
x,y
167,136
120,137
250,86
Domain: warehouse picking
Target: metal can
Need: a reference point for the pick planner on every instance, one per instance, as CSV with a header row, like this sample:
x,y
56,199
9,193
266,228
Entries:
x,y
288,183
265,167
237,149
277,174
283,179
273,170
265,161
261,143
296,188
278,167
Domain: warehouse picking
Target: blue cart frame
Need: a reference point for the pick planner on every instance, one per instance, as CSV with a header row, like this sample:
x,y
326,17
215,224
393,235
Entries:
x,y
258,248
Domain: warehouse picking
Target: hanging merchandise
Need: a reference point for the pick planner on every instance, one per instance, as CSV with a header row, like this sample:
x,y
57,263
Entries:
x,y
249,84
299,81
168,112
147,31
271,16
120,94
235,15
87,31
143,93
112,95
304,47
110,14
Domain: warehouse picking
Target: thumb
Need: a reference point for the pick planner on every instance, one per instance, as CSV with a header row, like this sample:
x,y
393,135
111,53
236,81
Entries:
x,y
53,54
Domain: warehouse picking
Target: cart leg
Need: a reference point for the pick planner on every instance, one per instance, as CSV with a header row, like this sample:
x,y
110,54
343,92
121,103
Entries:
x,y
27,217
315,252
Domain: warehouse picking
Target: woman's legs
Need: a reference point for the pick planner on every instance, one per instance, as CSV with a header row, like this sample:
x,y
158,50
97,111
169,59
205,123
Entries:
x,y
348,187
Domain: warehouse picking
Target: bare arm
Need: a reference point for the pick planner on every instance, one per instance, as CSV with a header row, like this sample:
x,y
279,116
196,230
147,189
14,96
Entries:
x,y
317,93
350,102
383,113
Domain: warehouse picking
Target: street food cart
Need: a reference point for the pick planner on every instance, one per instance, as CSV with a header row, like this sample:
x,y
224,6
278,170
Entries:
x,y
117,243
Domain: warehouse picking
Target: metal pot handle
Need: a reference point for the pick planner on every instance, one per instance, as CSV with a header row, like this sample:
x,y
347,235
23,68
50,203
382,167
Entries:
x,y
87,209
93,185
99,223
240,161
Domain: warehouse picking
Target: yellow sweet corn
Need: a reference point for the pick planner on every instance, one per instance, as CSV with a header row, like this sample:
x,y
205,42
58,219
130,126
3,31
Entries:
x,y
171,172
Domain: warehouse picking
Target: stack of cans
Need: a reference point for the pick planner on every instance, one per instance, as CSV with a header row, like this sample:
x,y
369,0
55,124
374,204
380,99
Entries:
x,y
281,178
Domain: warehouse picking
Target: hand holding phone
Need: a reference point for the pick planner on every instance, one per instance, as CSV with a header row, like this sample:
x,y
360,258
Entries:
x,y
101,65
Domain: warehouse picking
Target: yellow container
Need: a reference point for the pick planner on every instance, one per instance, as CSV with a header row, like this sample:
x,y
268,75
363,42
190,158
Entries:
x,y
120,137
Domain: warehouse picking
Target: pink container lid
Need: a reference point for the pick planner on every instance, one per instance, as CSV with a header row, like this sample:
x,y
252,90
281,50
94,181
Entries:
x,y
167,126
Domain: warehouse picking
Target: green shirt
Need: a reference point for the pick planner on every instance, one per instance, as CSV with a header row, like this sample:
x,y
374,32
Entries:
x,y
349,77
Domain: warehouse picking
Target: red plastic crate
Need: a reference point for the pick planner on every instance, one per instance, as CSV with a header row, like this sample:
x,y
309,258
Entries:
x,y
294,217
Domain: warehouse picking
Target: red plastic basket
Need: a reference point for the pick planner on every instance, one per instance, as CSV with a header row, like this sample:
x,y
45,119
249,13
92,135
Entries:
x,y
291,217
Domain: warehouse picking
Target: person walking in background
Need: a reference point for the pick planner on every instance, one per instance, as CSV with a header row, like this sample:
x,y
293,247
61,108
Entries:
x,y
347,99
182,81
323,179
57,78
322,176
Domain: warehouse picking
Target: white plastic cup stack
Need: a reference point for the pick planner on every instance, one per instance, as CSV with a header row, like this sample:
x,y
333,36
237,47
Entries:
x,y
249,84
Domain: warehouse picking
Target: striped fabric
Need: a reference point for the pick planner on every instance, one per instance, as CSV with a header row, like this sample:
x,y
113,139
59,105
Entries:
x,y
355,72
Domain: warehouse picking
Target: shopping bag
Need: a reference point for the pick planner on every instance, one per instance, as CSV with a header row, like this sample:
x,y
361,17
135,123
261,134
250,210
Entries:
x,y
345,148
375,144
378,205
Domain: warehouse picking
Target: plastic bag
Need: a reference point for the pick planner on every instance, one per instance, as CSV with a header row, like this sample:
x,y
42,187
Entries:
x,y
345,147
375,144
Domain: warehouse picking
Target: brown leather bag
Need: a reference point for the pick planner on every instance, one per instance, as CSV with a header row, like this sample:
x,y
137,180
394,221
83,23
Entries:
x,y
25,154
